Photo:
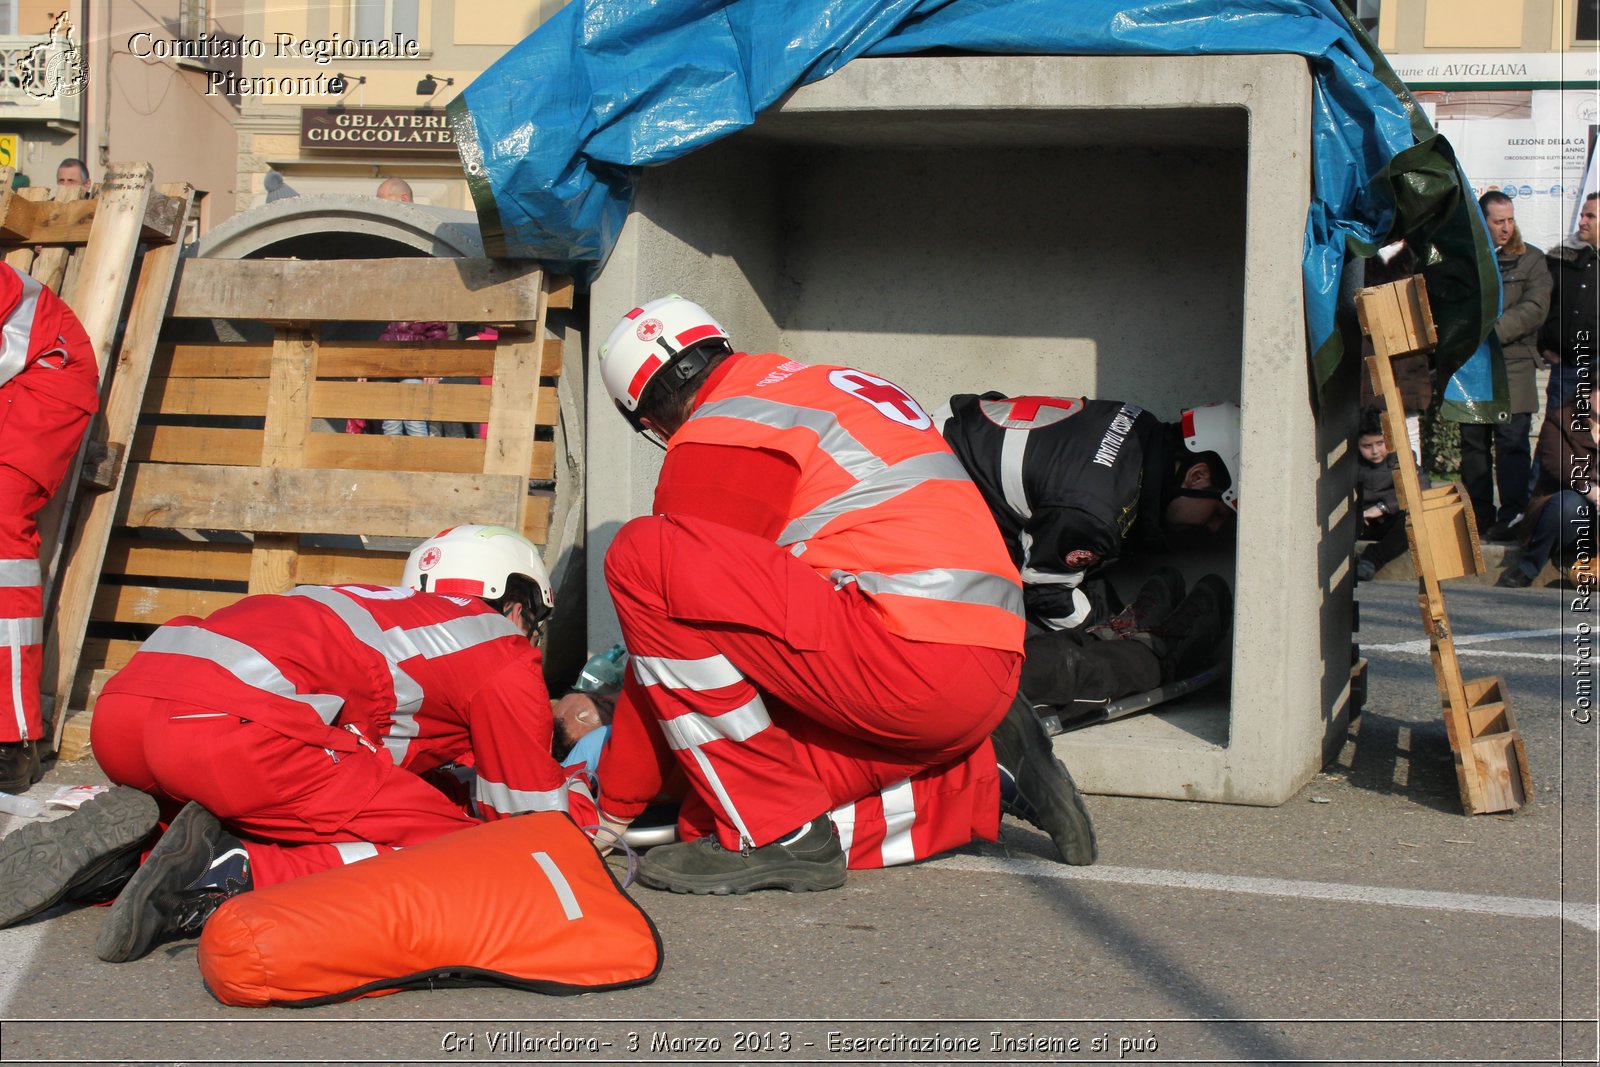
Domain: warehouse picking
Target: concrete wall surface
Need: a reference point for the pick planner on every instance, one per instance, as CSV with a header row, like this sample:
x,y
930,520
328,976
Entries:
x,y
1118,227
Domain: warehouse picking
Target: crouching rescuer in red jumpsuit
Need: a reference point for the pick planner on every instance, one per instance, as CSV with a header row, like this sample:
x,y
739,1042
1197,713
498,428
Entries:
x,y
288,734
824,625
49,388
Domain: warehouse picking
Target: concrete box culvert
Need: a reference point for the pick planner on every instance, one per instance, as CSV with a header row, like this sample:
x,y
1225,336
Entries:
x,y
1119,227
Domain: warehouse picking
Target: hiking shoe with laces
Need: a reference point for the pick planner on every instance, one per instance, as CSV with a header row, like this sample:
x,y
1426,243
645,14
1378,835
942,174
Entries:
x,y
1187,641
193,868
1154,602
1036,787
85,855
812,860
19,766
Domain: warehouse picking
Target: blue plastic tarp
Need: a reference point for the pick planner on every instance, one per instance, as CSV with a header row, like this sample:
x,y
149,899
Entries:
x,y
553,134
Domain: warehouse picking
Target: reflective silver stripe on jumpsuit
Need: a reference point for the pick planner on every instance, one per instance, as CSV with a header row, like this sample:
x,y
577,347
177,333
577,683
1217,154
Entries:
x,y
397,643
691,730
1013,447
241,661
899,817
17,333
876,482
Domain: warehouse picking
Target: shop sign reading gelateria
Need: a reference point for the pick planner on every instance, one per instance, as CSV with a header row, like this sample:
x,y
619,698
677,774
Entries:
x,y
381,129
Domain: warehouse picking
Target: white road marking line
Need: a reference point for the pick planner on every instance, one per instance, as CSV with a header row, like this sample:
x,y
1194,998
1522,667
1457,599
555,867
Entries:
x,y
18,948
1421,647
1585,915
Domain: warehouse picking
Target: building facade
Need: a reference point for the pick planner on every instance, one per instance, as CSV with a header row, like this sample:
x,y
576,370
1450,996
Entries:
x,y
335,96
1515,87
106,82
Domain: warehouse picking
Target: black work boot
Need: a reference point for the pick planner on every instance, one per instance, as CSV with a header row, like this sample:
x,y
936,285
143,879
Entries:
x,y
811,861
1035,786
193,868
19,766
1187,641
86,855
1154,602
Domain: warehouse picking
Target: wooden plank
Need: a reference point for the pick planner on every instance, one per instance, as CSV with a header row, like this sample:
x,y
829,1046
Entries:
x,y
284,500
111,654
288,424
64,221
375,452
107,262
85,550
74,743
401,400
368,452
37,222
1446,522
339,359
560,292
377,290
205,396
327,566
187,444
1494,761
146,558
340,400
154,605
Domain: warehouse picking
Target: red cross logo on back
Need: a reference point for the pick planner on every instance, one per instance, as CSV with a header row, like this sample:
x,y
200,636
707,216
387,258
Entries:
x,y
890,400
1029,412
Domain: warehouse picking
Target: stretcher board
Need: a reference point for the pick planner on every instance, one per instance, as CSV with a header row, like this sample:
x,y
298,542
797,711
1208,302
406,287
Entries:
x,y
239,478
1490,759
88,250
1093,713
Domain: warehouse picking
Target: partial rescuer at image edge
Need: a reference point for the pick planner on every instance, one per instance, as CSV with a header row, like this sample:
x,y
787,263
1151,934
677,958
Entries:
x,y
823,625
1495,458
289,733
49,388
1073,484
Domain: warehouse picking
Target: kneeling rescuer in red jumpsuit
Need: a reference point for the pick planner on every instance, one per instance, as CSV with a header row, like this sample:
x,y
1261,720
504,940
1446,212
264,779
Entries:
x,y
824,625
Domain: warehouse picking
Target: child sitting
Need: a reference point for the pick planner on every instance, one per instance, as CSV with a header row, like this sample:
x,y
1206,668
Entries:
x,y
1382,521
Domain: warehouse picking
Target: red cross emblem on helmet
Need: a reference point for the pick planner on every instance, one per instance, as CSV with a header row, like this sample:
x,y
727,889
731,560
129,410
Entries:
x,y
429,559
649,330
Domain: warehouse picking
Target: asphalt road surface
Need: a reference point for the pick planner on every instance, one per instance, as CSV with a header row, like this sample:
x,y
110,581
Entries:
x,y
1365,920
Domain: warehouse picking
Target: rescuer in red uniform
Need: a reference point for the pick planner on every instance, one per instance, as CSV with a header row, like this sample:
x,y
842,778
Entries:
x,y
49,387
288,733
821,617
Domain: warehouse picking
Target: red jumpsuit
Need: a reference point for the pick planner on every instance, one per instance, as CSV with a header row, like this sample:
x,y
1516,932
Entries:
x,y
49,387
820,617
302,721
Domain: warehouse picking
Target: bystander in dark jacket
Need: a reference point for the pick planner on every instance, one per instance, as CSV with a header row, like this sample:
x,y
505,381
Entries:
x,y
1560,520
1495,457
1568,338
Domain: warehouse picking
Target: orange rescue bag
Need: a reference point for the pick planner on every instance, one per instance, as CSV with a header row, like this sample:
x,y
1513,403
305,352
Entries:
x,y
523,902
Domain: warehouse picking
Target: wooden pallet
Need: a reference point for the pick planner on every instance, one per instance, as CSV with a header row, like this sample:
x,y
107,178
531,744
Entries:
x,y
237,480
87,251
1491,762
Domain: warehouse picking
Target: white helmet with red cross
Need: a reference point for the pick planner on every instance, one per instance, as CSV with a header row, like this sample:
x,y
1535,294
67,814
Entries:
x,y
648,340
475,561
1214,428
